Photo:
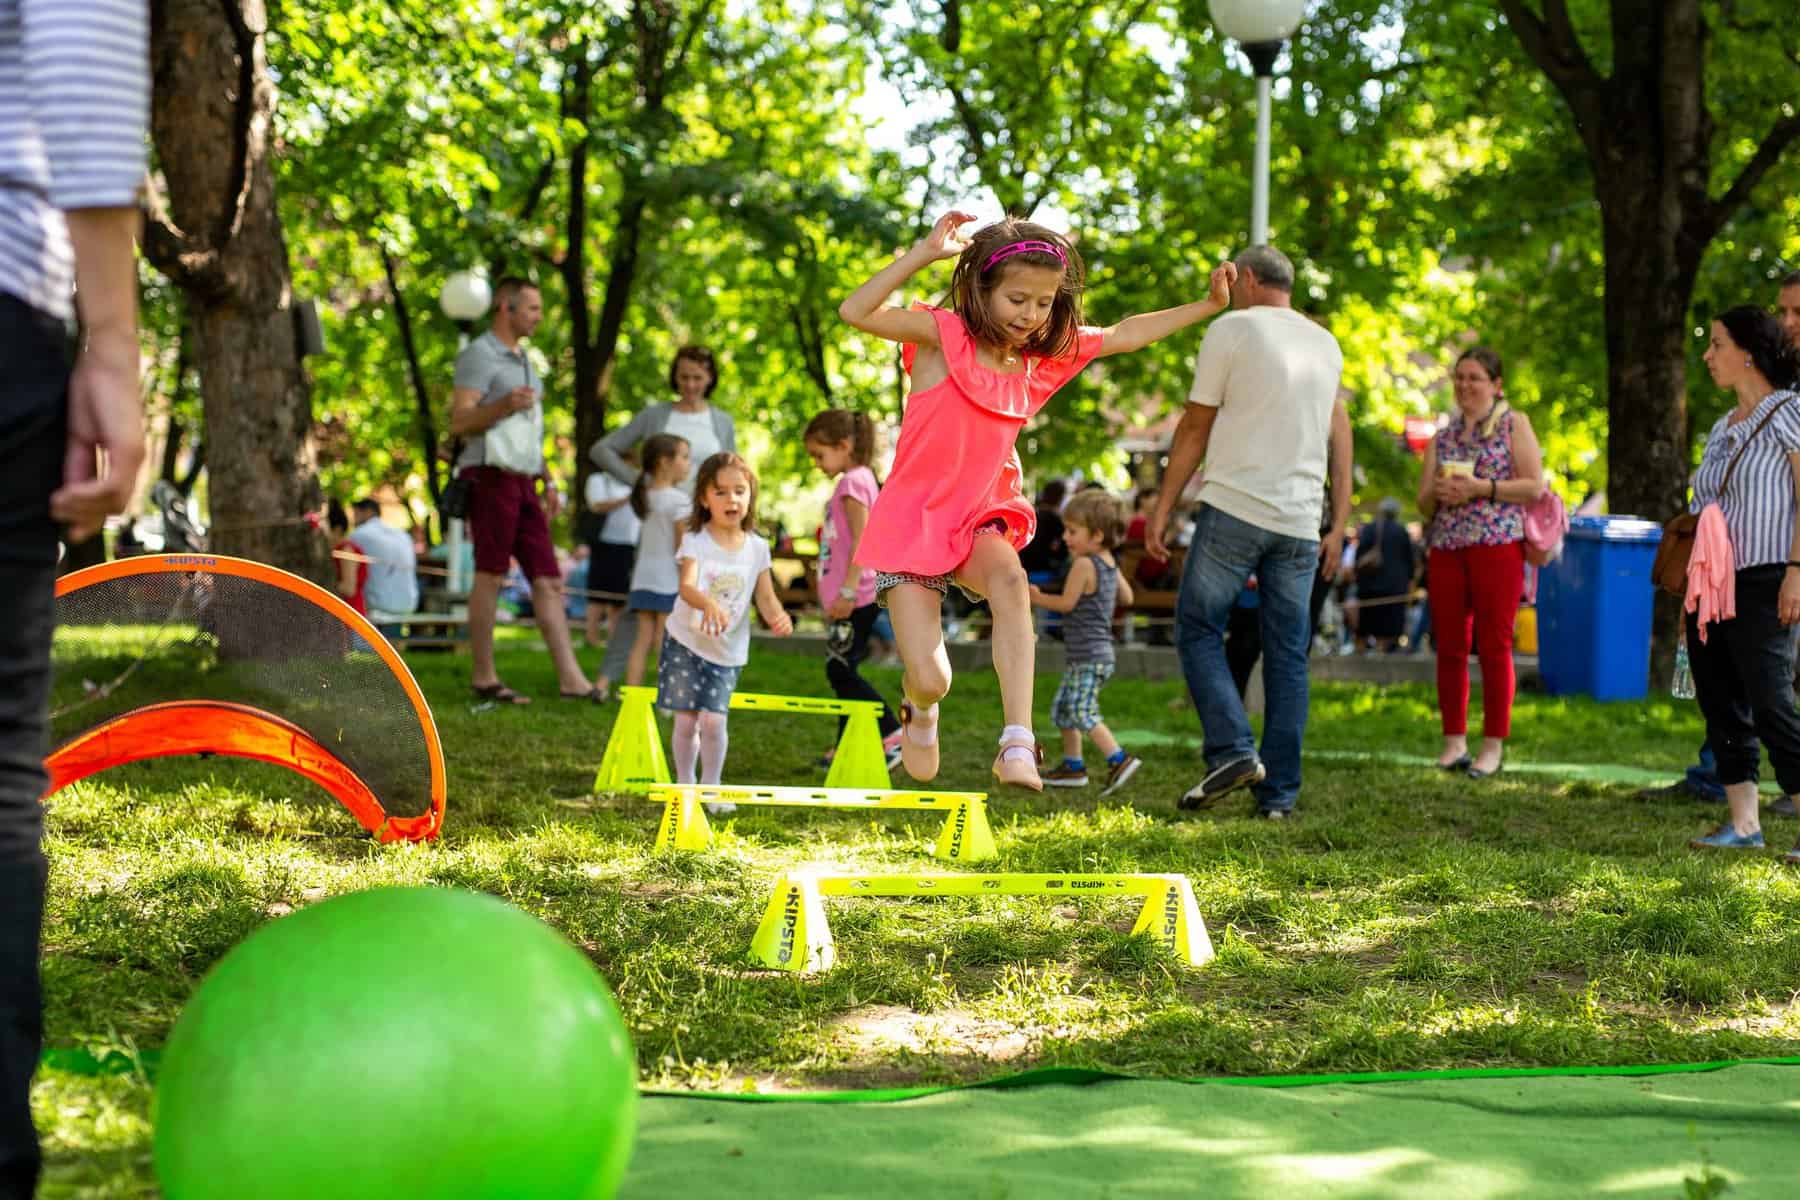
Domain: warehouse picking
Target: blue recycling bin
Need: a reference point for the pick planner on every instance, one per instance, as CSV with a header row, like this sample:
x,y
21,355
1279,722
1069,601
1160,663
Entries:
x,y
1593,610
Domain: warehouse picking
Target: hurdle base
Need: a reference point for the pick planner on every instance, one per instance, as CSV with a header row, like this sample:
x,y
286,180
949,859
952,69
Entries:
x,y
684,825
794,934
1171,916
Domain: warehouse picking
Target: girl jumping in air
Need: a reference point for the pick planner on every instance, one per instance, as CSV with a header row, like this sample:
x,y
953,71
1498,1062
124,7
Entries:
x,y
980,370
724,566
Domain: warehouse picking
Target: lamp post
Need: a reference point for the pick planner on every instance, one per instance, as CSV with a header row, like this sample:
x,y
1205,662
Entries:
x,y
465,298
1259,27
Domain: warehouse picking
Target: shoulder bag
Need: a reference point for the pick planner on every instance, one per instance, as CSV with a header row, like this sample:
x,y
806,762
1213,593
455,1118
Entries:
x,y
1670,570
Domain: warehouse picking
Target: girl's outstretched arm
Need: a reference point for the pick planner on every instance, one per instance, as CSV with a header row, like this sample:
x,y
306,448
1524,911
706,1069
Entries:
x,y
769,605
867,307
1134,333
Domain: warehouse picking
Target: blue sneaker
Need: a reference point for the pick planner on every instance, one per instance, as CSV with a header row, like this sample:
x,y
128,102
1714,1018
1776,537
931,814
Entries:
x,y
1727,838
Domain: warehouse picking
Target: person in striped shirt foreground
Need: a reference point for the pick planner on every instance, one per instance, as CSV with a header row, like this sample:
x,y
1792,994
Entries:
x,y
1744,667
1701,781
74,95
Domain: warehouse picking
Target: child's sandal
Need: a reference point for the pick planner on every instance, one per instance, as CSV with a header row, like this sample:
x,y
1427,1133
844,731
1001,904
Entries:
x,y
1020,770
921,762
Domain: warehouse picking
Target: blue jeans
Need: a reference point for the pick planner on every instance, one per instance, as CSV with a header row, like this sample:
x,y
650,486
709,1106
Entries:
x,y
1224,554
1703,777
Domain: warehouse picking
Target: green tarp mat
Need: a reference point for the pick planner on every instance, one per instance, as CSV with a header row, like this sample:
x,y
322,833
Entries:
x,y
1658,1135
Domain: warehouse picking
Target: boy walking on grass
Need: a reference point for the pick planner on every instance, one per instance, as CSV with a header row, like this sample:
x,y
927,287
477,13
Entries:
x,y
1093,524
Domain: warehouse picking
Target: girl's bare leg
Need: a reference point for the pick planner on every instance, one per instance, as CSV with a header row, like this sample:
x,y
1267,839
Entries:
x,y
993,570
917,614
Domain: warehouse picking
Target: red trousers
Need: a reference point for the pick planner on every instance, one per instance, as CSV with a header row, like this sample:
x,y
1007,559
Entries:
x,y
1475,588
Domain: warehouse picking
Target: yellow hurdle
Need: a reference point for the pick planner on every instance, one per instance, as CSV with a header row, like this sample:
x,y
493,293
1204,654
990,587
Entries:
x,y
966,836
795,935
634,759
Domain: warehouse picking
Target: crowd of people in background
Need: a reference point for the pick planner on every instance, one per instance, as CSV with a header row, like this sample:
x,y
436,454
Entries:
x,y
1452,581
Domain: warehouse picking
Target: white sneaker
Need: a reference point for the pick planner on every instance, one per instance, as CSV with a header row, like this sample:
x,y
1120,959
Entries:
x,y
721,807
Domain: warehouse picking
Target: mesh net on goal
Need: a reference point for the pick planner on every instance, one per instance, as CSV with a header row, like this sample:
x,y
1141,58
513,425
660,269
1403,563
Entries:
x,y
189,654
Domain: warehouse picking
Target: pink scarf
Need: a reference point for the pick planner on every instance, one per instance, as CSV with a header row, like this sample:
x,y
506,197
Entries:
x,y
1712,579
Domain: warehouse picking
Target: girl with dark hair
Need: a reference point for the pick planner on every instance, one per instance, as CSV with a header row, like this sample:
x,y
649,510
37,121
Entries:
x,y
1743,664
707,429
1479,473
980,369
842,445
660,503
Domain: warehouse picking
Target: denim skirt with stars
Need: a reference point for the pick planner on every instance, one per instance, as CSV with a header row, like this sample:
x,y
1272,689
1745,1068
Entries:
x,y
685,682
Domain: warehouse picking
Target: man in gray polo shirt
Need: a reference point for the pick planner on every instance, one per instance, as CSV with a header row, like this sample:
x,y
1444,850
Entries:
x,y
498,408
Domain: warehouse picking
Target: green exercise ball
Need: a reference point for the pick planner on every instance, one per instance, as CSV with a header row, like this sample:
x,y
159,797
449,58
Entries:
x,y
398,1044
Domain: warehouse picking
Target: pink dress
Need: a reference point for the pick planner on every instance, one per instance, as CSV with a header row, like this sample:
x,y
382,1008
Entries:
x,y
956,468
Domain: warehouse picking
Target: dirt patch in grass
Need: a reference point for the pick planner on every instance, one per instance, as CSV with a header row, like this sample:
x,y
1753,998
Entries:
x,y
878,1031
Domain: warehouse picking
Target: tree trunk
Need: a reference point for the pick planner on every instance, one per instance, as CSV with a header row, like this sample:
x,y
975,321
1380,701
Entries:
x,y
1648,283
221,242
428,437
1649,136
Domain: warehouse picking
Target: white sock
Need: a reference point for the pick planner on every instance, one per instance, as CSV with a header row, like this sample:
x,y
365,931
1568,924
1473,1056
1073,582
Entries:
x,y
712,746
684,745
923,728
1017,733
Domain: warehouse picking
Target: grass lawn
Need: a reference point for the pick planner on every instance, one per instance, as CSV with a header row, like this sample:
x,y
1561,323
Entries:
x,y
1406,918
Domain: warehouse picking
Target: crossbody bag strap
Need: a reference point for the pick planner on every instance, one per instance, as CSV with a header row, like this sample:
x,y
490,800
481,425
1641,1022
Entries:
x,y
1745,444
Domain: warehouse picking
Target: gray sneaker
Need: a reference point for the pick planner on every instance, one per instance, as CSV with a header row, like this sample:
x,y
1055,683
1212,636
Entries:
x,y
1225,778
1784,807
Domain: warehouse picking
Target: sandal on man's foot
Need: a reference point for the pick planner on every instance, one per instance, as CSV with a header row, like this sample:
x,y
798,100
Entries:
x,y
593,694
920,761
499,693
1020,770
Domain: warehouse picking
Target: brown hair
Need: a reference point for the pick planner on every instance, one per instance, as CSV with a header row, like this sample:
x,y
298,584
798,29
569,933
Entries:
x,y
1489,361
973,282
1100,511
836,425
700,356
508,289
710,471
658,449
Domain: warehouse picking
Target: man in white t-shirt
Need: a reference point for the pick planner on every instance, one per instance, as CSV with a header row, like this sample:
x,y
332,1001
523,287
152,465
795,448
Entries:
x,y
1264,416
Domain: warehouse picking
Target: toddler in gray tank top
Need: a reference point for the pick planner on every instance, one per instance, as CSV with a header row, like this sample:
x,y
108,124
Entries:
x,y
1093,523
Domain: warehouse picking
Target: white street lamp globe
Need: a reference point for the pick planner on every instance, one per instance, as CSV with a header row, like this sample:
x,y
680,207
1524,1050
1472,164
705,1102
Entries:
x,y
1252,21
466,296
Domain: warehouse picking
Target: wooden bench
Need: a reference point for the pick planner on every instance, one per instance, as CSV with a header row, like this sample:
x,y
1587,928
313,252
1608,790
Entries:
x,y
432,631
1153,603
796,589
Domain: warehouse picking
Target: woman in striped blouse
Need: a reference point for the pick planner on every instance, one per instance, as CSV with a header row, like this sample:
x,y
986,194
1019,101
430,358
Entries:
x,y
1744,670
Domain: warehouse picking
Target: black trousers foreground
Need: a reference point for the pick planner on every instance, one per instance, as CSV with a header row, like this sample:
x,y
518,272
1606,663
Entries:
x,y
33,416
1744,680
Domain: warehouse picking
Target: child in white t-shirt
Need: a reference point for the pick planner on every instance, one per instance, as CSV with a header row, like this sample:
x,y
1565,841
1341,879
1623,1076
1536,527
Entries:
x,y
724,566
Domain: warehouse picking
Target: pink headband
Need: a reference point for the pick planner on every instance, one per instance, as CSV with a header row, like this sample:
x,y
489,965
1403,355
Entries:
x,y
1005,252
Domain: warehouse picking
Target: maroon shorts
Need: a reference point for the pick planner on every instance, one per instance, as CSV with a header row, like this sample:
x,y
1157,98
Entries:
x,y
507,522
